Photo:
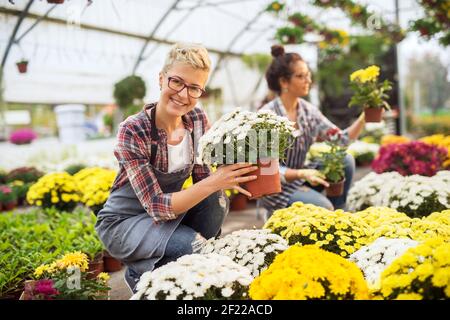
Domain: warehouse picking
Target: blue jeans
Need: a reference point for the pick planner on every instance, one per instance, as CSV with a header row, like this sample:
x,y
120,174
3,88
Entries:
x,y
313,195
197,225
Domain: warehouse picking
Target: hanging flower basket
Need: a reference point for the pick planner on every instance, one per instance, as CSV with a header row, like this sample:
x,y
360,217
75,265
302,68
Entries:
x,y
55,1
22,66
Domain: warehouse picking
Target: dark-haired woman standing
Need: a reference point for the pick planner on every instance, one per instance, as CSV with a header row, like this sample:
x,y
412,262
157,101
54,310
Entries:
x,y
290,78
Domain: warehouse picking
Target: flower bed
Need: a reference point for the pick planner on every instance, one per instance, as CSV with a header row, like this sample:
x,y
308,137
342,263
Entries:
x,y
421,273
410,158
309,273
416,196
22,136
95,184
59,190
38,237
195,277
335,231
375,257
253,249
67,278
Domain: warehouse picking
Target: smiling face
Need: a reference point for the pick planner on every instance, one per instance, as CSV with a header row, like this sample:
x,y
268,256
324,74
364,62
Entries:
x,y
299,83
179,103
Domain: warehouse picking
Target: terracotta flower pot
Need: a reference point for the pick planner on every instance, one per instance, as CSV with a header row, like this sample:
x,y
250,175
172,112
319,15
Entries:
x,y
22,66
267,181
238,202
335,189
110,263
96,266
373,114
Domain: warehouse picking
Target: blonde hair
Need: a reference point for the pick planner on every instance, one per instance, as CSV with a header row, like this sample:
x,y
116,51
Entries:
x,y
192,54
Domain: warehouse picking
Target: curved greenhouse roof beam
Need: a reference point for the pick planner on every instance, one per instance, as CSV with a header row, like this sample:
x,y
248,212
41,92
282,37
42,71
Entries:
x,y
177,25
160,22
15,12
233,41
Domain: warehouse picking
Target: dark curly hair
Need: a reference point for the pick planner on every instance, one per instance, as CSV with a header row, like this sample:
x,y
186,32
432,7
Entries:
x,y
280,67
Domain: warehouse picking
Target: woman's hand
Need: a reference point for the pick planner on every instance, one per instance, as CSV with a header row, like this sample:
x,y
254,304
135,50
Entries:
x,y
229,177
314,177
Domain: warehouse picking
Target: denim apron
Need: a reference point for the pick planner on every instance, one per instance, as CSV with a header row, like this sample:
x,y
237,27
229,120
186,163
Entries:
x,y
131,235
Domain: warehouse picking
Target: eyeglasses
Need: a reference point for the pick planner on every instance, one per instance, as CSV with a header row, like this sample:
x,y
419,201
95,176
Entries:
x,y
303,76
178,85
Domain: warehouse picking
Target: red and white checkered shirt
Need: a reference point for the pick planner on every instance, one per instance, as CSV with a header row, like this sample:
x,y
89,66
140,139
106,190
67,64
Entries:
x,y
133,151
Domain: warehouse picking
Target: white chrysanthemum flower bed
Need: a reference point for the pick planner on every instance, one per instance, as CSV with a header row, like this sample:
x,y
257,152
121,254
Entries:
x,y
195,276
253,249
414,195
377,256
362,194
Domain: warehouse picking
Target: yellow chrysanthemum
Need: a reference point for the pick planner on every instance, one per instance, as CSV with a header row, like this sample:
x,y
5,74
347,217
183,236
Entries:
x,y
427,266
309,273
73,259
103,276
391,139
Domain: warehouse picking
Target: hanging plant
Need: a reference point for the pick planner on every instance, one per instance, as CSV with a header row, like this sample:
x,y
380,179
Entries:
x,y
275,6
128,90
22,66
436,22
303,22
289,35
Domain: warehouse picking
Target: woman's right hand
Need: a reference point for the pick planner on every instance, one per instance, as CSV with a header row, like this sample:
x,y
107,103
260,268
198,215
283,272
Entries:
x,y
230,176
314,177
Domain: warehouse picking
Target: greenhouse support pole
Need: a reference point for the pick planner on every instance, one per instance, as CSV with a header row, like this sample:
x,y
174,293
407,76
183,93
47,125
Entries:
x,y
401,104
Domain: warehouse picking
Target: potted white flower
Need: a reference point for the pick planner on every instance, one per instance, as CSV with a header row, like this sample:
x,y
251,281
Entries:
x,y
242,136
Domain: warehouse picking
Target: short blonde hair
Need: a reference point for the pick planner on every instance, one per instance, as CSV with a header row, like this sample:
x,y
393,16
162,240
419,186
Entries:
x,y
192,54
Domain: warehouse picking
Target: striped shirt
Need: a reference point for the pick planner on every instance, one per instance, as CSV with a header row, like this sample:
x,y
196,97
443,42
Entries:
x,y
312,124
133,151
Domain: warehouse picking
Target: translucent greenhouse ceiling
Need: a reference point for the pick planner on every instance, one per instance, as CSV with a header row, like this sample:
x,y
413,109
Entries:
x,y
78,54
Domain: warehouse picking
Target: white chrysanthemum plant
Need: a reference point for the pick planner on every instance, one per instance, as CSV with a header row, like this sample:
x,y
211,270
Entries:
x,y
253,249
195,277
415,195
373,259
261,138
363,192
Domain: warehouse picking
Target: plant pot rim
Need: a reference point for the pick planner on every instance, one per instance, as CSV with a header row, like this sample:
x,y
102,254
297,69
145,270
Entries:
x,y
340,181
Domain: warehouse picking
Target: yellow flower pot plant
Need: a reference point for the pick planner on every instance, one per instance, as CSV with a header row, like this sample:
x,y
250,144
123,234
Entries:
x,y
370,93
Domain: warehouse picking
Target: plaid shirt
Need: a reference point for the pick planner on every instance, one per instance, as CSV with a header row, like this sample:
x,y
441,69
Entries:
x,y
133,152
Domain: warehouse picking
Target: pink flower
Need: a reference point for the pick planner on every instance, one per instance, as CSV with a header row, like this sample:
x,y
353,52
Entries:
x,y
410,158
22,136
45,288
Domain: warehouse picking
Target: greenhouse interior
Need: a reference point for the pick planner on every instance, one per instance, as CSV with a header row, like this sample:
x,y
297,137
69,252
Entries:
x,y
225,150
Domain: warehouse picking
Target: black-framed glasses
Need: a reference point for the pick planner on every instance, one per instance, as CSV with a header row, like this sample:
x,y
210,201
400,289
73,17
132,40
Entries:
x,y
178,85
